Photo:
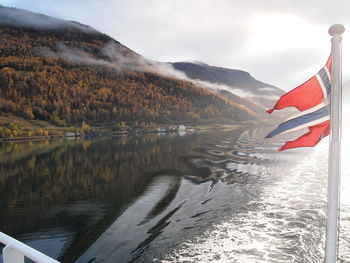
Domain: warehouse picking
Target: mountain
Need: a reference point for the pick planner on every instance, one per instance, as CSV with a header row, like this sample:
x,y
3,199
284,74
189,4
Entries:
x,y
22,18
69,73
235,81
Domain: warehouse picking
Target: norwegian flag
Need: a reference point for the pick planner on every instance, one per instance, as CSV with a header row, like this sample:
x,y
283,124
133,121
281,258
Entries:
x,y
311,99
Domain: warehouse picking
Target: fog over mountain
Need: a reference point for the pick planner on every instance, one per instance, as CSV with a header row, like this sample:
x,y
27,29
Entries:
x,y
237,82
34,43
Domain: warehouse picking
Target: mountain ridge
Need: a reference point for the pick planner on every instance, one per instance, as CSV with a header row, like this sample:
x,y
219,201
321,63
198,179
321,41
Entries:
x,y
232,79
73,76
24,18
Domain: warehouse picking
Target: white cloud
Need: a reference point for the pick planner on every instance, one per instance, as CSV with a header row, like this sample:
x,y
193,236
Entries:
x,y
278,42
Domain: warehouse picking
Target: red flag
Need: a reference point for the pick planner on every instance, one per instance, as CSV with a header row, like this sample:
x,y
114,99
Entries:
x,y
308,94
310,139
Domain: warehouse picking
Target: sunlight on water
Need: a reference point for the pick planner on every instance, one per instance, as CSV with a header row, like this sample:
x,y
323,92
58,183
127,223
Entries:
x,y
285,224
344,241
218,197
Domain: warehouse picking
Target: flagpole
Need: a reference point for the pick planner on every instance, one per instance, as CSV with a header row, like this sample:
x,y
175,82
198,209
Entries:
x,y
335,146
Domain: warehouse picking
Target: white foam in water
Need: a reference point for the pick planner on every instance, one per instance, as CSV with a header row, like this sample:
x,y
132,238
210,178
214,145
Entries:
x,y
344,236
263,156
221,146
286,224
245,168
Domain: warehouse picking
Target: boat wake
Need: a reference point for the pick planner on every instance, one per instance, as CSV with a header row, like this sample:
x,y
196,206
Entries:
x,y
285,224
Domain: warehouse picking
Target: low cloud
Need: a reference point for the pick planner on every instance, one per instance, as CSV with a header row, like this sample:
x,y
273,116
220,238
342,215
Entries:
x,y
121,58
255,98
168,70
113,55
273,40
76,55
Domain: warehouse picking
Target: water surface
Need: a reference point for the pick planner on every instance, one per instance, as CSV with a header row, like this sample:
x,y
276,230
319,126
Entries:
x,y
225,196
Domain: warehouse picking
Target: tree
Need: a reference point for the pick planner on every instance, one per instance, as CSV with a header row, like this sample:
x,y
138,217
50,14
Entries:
x,y
28,113
85,126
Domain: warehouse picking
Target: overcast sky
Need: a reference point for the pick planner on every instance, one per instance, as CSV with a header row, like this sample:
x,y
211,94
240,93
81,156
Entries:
x,y
281,42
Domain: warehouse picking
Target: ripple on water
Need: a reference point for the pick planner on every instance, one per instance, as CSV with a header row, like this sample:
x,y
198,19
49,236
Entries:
x,y
286,224
344,237
216,152
221,145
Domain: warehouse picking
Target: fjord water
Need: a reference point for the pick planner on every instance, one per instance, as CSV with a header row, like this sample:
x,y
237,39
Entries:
x,y
220,196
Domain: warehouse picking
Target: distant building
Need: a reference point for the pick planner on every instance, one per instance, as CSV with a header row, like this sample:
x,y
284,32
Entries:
x,y
172,128
161,129
182,127
69,134
123,130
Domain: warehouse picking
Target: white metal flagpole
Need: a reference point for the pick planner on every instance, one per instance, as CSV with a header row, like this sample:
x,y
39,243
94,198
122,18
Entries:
x,y
335,146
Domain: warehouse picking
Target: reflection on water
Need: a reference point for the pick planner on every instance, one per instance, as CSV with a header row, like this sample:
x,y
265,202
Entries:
x,y
224,196
69,192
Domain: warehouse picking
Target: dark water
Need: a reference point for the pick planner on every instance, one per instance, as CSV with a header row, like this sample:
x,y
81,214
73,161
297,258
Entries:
x,y
225,196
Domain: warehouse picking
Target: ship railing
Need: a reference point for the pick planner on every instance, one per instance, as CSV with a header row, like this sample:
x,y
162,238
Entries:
x,y
15,251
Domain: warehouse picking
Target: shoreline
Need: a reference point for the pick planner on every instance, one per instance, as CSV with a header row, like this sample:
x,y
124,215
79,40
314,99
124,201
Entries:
x,y
96,133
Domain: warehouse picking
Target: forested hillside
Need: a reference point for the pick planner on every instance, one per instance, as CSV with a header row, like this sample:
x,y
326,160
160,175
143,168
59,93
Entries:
x,y
68,75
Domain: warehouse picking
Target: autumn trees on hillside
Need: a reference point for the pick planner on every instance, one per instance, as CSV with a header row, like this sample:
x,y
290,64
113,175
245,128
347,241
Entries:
x,y
36,84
